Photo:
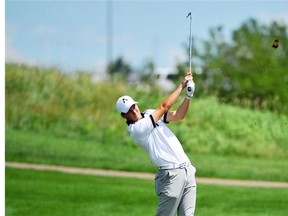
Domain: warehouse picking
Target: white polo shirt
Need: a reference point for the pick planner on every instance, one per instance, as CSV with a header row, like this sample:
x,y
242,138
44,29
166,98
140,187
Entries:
x,y
158,140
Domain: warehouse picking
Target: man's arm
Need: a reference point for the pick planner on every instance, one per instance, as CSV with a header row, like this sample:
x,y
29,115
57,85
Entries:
x,y
169,101
180,113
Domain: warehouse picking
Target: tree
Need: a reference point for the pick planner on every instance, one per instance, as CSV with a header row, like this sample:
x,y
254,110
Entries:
x,y
120,68
246,70
148,75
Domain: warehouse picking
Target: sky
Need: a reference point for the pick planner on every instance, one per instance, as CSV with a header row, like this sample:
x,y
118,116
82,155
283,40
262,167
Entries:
x,y
86,34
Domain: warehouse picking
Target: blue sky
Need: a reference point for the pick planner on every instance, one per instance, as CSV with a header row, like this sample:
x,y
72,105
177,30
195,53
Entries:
x,y
72,34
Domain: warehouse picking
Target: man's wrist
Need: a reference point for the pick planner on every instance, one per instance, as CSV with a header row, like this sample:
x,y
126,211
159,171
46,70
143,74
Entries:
x,y
188,97
181,86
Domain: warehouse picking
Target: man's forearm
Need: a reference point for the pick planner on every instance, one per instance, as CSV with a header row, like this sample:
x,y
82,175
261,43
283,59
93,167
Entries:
x,y
183,109
180,113
169,101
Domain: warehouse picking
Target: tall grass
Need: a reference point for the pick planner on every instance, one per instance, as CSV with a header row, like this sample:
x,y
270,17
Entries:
x,y
214,127
74,106
42,99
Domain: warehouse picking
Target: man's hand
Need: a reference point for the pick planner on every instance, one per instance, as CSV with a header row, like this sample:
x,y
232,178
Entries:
x,y
187,77
190,86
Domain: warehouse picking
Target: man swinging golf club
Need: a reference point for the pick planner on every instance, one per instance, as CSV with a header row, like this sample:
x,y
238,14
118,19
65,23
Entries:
x,y
175,182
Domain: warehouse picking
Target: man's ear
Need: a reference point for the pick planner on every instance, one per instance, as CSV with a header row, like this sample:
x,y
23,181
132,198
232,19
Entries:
x,y
123,115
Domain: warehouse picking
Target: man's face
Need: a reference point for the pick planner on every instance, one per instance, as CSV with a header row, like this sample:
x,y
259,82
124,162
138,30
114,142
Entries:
x,y
133,114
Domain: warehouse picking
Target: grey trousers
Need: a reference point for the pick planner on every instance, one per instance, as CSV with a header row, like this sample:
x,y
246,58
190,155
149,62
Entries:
x,y
176,190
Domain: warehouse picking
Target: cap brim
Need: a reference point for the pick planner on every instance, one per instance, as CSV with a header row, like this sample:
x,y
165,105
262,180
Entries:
x,y
135,102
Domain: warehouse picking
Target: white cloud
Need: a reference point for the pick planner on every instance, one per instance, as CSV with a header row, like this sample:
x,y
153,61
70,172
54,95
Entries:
x,y
176,55
13,55
268,18
42,30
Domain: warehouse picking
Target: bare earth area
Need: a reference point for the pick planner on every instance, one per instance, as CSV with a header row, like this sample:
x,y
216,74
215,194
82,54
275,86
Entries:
x,y
142,175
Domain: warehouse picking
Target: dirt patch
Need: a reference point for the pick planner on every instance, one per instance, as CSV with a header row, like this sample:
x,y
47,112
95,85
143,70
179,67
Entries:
x,y
142,175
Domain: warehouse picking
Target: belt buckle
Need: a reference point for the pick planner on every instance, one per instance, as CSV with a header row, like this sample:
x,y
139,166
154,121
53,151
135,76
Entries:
x,y
182,165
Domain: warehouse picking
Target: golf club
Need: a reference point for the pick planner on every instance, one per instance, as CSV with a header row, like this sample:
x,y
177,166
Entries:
x,y
189,83
190,44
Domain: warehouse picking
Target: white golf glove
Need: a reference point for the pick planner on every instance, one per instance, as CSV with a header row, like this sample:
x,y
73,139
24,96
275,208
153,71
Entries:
x,y
190,88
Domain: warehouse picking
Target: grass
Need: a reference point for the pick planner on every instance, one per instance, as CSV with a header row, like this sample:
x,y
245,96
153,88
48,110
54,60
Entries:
x,y
68,119
52,118
46,149
76,107
30,193
48,193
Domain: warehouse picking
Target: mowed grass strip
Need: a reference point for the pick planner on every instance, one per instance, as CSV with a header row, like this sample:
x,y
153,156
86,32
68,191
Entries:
x,y
45,148
43,193
30,192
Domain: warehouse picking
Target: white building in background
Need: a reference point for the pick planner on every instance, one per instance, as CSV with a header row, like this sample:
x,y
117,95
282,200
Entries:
x,y
161,73
163,81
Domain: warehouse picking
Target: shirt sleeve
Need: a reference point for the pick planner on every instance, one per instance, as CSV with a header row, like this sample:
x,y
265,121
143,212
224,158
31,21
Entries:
x,y
163,118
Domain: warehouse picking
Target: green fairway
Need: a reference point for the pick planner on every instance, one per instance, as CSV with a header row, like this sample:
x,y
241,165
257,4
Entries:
x,y
25,146
30,193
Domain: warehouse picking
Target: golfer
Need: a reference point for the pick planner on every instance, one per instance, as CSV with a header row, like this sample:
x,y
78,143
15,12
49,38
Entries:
x,y
175,182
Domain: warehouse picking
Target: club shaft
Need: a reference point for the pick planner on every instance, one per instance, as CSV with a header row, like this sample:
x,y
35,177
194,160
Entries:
x,y
190,45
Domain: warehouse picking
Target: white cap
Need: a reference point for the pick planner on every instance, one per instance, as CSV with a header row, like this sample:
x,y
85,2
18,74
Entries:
x,y
124,103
